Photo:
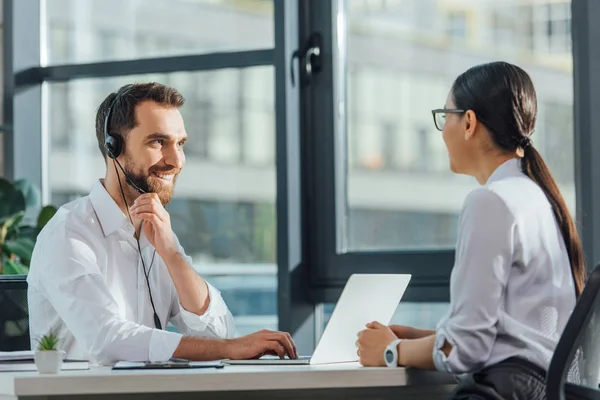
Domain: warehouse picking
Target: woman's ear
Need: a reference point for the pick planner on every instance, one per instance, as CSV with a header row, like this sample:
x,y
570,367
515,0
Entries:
x,y
470,124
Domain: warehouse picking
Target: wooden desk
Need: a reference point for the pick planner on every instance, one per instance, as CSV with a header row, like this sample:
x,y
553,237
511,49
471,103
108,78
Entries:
x,y
348,381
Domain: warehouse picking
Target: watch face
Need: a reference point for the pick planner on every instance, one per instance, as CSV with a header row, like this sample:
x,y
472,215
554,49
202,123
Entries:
x,y
389,356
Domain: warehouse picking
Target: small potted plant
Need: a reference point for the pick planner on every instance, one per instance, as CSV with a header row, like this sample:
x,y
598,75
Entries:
x,y
48,359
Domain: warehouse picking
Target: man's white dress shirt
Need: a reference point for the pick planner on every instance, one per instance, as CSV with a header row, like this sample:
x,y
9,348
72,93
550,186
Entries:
x,y
86,284
511,289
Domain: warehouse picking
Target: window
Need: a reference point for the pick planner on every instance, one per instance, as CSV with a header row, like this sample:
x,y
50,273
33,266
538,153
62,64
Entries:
x,y
457,26
559,27
382,196
503,26
1,154
82,31
222,212
554,120
401,194
551,27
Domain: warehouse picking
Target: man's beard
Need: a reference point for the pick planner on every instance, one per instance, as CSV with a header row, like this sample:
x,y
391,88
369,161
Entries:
x,y
150,183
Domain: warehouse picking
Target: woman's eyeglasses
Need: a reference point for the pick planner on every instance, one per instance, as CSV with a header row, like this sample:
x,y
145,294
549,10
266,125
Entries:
x,y
439,116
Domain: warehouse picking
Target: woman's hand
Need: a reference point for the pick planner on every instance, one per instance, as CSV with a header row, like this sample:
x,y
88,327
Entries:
x,y
408,332
372,342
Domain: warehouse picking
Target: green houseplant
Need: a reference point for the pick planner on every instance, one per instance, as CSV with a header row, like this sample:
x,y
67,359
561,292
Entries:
x,y
48,358
17,238
19,227
48,342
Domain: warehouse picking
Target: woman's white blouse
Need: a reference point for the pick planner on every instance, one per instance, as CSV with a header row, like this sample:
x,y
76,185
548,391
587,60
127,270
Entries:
x,y
511,288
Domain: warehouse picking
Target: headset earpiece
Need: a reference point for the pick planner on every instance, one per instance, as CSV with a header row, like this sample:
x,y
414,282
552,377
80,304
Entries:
x,y
113,144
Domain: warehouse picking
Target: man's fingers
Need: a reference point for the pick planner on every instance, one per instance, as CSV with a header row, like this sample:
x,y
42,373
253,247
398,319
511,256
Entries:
x,y
276,347
148,208
145,208
148,200
293,344
144,199
283,340
152,218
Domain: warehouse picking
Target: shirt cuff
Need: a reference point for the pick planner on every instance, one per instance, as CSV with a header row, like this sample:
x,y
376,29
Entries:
x,y
439,358
162,345
212,318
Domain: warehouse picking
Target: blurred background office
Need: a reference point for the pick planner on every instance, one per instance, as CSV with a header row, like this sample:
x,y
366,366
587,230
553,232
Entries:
x,y
394,61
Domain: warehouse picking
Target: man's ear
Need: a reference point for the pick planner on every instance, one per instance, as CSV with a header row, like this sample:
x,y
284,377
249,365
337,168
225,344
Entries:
x,y
470,124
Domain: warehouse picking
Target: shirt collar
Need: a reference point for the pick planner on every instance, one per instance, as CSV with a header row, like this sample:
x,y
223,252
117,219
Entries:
x,y
109,214
507,169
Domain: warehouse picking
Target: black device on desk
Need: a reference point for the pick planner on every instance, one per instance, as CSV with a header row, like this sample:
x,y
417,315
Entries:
x,y
173,363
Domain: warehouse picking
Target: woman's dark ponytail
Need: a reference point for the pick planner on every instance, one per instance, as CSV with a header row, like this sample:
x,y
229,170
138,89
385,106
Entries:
x,y
534,167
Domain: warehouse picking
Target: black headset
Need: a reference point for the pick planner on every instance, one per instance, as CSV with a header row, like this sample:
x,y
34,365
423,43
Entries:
x,y
113,144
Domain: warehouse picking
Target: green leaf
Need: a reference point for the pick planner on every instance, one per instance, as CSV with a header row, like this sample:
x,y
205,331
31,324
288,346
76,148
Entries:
x,y
48,342
45,215
13,221
12,200
8,226
22,247
30,232
12,268
31,194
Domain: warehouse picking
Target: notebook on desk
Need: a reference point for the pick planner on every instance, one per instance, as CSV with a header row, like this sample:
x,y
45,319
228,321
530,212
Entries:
x,y
129,365
16,355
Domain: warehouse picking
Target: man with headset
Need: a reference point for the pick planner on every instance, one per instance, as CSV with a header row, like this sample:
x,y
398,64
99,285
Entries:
x,y
108,273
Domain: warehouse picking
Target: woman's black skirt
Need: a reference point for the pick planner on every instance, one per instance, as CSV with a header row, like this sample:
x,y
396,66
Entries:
x,y
511,379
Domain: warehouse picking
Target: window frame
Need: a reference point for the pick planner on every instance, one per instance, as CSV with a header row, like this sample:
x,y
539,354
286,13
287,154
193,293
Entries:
x,y
330,262
330,268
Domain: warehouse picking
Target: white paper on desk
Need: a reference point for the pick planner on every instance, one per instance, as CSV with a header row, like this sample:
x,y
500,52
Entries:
x,y
29,365
192,364
16,355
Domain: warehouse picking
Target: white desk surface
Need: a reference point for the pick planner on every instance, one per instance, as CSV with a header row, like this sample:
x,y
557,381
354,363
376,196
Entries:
x,y
102,380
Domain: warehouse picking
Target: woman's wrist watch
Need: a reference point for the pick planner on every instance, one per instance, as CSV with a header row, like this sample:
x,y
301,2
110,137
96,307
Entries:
x,y
390,354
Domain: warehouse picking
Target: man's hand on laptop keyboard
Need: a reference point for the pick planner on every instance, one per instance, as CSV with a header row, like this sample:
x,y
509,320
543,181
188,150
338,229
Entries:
x,y
262,343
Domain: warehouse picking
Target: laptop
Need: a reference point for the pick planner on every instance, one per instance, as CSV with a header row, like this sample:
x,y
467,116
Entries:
x,y
365,298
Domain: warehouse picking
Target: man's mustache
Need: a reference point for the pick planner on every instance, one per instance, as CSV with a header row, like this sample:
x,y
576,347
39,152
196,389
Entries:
x,y
165,170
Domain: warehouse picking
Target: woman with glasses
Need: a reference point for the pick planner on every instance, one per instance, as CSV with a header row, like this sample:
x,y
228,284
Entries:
x,y
519,262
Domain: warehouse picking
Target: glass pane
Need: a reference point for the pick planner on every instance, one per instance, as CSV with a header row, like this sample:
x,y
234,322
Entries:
x,y
418,315
402,57
1,154
223,210
80,31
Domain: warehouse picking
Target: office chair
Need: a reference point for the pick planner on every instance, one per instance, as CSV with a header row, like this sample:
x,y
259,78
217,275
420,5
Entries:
x,y
14,314
574,372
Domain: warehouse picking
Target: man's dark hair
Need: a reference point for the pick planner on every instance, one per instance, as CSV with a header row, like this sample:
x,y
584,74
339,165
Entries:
x,y
122,116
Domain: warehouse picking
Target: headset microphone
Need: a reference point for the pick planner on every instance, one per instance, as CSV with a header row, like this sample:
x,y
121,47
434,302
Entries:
x,y
128,179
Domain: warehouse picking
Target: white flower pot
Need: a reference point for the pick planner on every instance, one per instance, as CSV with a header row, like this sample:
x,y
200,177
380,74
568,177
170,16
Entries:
x,y
48,361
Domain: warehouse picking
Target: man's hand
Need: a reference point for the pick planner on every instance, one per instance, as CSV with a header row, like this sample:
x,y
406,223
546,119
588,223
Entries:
x,y
157,223
372,342
262,343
